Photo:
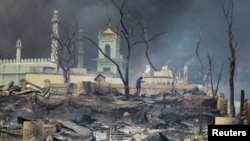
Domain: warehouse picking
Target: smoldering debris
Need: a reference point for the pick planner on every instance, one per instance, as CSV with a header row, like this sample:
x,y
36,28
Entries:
x,y
65,116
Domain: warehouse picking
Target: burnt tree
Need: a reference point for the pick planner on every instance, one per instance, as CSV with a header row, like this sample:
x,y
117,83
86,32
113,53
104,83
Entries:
x,y
66,41
146,40
173,70
232,45
205,73
214,91
208,74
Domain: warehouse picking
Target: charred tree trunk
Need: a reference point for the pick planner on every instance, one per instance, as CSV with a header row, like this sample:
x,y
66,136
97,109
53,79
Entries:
x,y
242,97
204,72
232,47
231,84
126,81
214,91
174,80
66,76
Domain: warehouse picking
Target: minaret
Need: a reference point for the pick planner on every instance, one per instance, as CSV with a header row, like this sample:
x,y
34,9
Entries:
x,y
55,34
18,50
80,53
109,43
185,74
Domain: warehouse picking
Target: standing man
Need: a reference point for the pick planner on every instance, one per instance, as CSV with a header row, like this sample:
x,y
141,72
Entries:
x,y
138,86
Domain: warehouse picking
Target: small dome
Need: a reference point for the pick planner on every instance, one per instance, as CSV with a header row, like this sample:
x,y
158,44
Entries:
x,y
55,12
108,31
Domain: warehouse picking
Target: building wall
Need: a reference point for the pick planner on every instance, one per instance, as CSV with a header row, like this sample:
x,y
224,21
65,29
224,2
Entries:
x,y
38,79
10,70
7,78
152,88
158,80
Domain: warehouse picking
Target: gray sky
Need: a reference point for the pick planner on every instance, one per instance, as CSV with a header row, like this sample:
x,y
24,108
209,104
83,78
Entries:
x,y
29,20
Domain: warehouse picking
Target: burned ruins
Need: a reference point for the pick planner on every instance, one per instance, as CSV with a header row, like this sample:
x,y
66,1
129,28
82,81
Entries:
x,y
96,110
64,96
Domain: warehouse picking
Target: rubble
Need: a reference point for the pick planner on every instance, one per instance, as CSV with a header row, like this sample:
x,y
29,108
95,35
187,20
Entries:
x,y
60,115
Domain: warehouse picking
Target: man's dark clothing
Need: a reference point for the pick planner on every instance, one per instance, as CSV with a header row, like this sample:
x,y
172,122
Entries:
x,y
138,85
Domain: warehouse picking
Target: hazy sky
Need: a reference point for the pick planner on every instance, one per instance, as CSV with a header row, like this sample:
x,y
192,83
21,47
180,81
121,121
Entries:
x,y
29,20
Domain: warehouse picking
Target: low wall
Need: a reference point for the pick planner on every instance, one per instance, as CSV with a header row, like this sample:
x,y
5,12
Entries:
x,y
39,79
105,87
151,88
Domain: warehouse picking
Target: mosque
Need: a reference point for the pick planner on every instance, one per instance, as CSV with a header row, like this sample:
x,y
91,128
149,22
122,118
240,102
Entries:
x,y
39,70
36,70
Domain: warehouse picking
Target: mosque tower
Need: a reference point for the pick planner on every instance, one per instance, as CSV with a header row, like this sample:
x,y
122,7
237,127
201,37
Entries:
x,y
185,75
18,50
109,43
80,53
54,42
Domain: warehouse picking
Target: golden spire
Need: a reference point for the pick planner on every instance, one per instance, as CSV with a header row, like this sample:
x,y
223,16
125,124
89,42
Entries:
x,y
108,30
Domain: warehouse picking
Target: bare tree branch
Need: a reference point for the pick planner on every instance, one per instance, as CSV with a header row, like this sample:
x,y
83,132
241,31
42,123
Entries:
x,y
214,91
197,52
149,40
67,48
145,40
173,70
219,78
210,60
205,72
121,12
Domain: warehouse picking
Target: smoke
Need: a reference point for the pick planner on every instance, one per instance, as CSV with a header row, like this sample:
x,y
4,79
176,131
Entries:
x,y
30,21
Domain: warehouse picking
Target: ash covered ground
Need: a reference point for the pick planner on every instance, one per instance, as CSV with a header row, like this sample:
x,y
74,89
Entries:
x,y
162,116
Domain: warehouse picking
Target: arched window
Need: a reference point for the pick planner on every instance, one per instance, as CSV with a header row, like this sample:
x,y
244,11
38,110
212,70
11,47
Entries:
x,y
107,50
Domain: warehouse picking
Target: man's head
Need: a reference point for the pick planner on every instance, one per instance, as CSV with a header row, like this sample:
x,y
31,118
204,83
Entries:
x,y
140,77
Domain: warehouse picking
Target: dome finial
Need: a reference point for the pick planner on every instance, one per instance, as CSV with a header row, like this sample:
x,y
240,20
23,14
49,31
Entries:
x,y
109,24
